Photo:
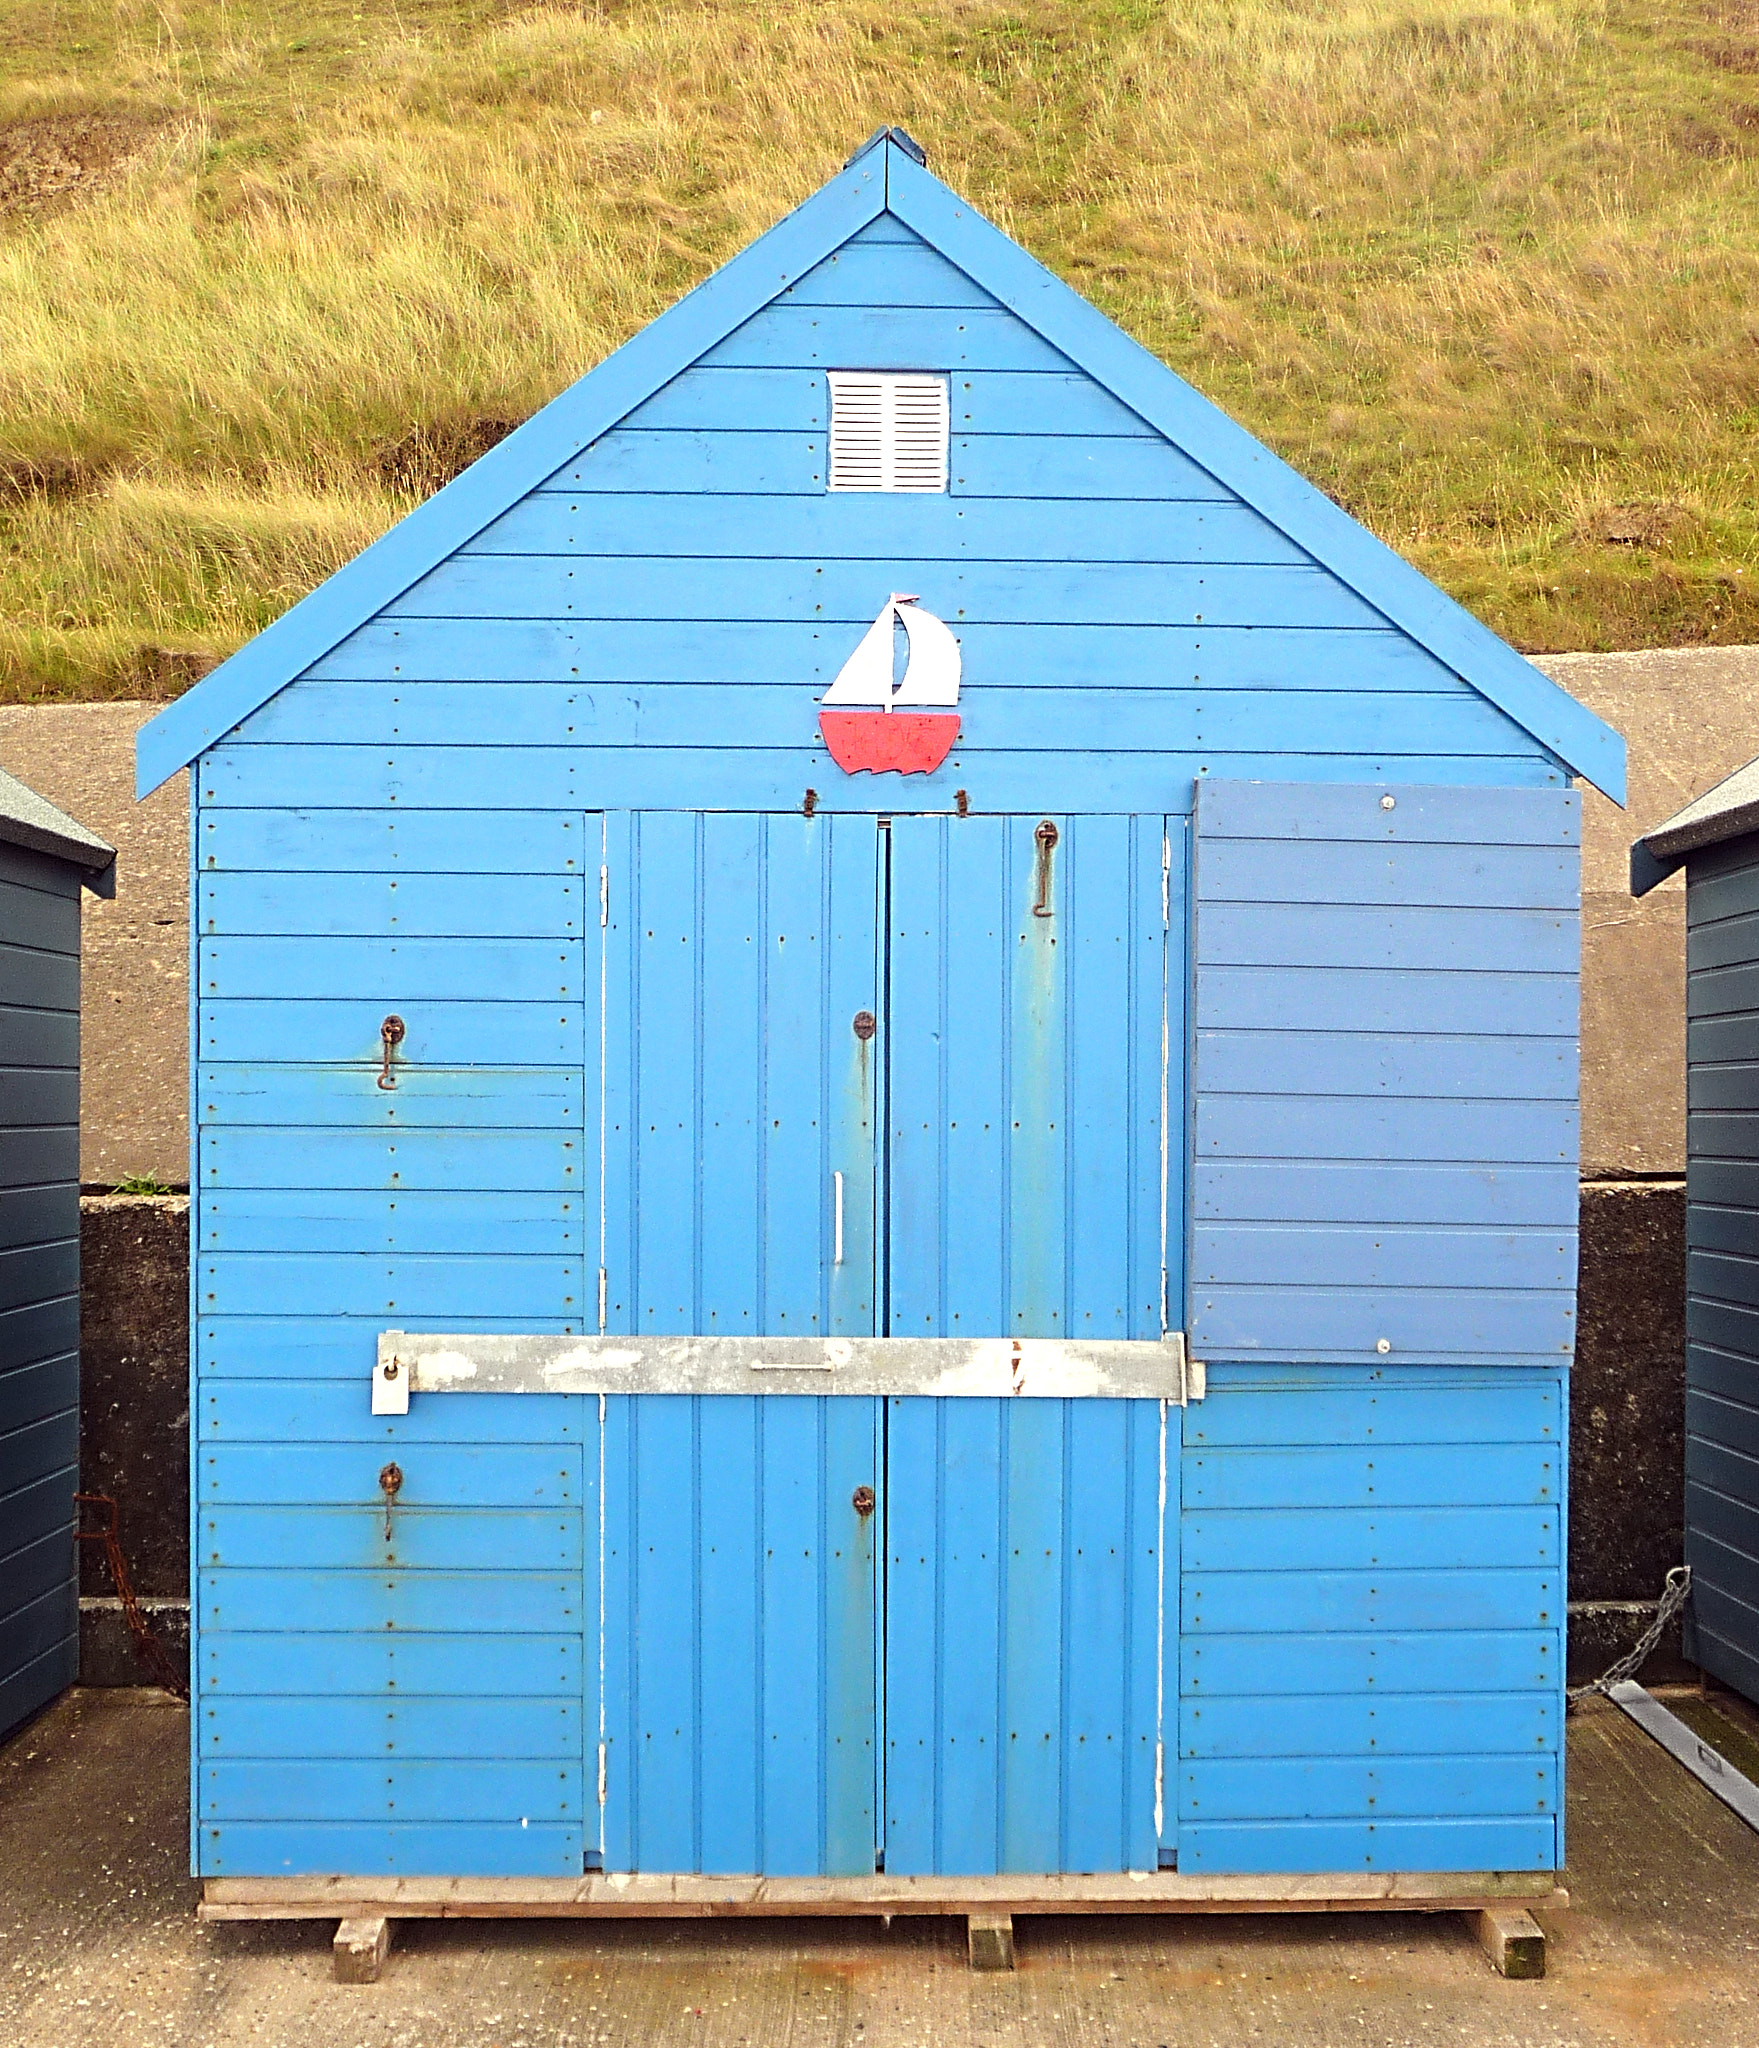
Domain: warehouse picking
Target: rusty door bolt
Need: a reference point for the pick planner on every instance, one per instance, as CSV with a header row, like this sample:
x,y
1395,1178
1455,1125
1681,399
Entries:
x,y
390,1037
863,1025
1046,835
862,1500
390,1485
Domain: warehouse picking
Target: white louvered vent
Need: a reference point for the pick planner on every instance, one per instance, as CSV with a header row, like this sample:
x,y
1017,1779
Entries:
x,y
888,432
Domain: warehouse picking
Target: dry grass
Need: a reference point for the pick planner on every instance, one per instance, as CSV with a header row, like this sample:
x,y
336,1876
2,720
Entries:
x,y
1486,269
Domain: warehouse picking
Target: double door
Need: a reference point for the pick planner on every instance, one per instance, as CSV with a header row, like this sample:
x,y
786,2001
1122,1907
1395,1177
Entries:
x,y
901,1078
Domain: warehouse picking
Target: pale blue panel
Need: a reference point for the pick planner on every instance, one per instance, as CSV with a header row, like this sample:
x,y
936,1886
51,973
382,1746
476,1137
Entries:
x,y
391,905
1269,998
436,1159
424,1097
323,1665
1332,935
394,971
357,1221
483,1603
422,1539
1266,1846
1418,815
300,1848
414,1729
1428,1725
1395,872
1460,1324
969,595
890,336
326,841
875,525
1393,1788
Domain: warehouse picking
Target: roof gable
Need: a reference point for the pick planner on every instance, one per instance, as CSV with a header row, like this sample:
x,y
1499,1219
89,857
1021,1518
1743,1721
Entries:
x,y
884,198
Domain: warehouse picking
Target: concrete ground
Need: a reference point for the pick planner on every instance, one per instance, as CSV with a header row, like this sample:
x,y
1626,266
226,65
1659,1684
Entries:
x,y
98,1942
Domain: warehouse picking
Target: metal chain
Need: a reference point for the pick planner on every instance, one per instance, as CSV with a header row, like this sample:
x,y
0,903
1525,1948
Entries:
x,y
147,1646
1673,1598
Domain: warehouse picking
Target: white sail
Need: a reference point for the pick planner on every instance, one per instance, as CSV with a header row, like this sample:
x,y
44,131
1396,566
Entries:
x,y
931,674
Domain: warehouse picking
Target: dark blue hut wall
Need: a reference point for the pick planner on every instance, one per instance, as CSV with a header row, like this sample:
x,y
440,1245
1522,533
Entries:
x,y
39,1278
1722,1260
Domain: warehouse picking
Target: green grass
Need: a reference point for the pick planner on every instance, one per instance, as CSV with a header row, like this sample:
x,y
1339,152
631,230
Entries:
x,y
1487,270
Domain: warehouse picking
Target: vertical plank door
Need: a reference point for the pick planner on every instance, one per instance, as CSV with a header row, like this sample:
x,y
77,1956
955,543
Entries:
x,y
1024,1196
736,1601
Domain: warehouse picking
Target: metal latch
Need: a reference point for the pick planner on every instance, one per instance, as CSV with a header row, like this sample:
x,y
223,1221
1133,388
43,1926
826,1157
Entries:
x,y
390,1376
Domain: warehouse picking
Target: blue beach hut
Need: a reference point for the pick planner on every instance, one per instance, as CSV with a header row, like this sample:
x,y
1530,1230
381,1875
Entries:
x,y
885,1150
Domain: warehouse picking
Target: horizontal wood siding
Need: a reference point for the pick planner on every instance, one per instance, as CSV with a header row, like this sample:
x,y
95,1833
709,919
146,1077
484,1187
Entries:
x,y
1384,1120
1722,1261
685,588
39,1279
403,1689
1371,1649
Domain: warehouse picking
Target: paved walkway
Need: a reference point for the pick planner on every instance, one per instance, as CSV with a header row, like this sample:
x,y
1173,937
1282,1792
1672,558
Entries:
x,y
98,1944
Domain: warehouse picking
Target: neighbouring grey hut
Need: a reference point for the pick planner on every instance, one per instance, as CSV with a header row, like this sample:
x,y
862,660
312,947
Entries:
x,y
1716,840
46,860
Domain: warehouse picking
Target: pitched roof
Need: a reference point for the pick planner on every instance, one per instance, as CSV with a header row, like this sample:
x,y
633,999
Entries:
x,y
883,177
1725,811
29,820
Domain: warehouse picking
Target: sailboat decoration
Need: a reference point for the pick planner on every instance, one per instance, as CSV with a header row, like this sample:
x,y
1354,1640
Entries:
x,y
871,722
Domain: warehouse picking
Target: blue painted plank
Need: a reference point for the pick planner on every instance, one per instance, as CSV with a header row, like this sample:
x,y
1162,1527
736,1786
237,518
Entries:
x,y
1165,719
1727,1084
522,841
41,920
1101,1616
30,1571
1428,1725
1371,1665
39,1038
1282,659
37,1629
1391,872
874,275
852,1646
49,981
1348,1321
1387,1064
1730,942
1388,1475
46,1330
1263,1847
38,1272
395,1728
789,1668
340,1475
39,1095
874,525
913,1695
463,1289
328,1410
481,1603
542,1161
1335,1191
1417,1412
1244,1602
391,906
410,970
325,1665
1421,814
422,1539
969,595
1386,1256
1495,1134
501,1034
731,1507
1330,935
1032,1734
666,1692
349,1097
353,1221
41,1507
29,1393
39,1448
300,1848
965,1649
1415,1788
900,337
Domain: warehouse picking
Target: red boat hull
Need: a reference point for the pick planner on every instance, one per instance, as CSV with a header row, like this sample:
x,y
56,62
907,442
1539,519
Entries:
x,y
878,742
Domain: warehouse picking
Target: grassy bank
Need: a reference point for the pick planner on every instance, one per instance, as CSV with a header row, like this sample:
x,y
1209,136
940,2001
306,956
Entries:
x,y
1488,270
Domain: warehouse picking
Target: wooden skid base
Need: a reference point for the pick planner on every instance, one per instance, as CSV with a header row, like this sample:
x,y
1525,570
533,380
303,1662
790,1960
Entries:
x,y
679,1898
